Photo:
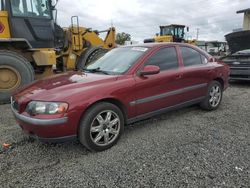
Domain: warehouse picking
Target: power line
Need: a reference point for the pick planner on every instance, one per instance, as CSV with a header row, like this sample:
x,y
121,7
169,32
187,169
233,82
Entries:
x,y
197,34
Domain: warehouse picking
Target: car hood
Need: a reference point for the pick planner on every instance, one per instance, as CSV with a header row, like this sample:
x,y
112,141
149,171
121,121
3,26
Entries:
x,y
63,85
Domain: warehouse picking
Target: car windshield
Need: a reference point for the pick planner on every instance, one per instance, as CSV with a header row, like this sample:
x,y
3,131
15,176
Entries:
x,y
117,61
31,8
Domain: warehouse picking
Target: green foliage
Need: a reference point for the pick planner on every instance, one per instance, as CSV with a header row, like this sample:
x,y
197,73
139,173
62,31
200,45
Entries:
x,y
122,37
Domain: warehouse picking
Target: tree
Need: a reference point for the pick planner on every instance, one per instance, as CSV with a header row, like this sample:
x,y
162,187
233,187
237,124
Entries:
x,y
122,37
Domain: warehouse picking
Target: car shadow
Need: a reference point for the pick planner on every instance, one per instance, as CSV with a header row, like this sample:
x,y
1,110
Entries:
x,y
167,116
75,147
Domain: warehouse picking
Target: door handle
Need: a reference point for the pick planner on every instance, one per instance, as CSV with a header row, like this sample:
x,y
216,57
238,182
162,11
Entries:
x,y
178,76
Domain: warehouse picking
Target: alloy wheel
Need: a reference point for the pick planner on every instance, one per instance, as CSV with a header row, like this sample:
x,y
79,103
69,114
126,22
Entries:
x,y
105,128
215,96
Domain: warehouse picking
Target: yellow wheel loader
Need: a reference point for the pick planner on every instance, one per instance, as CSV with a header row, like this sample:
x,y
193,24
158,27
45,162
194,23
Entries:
x,y
171,33
33,46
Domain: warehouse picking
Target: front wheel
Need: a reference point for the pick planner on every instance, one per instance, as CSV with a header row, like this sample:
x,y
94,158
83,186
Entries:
x,y
213,96
101,126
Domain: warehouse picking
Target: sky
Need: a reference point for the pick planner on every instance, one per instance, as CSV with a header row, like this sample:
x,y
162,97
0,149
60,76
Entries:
x,y
142,18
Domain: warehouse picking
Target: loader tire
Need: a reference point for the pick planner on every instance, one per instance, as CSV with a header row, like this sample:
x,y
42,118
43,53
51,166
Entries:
x,y
15,72
89,56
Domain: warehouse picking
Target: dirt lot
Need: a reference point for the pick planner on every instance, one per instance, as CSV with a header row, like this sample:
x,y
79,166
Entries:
x,y
185,148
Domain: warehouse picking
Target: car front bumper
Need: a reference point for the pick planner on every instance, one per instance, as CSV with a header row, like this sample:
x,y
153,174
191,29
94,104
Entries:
x,y
54,140
240,73
46,130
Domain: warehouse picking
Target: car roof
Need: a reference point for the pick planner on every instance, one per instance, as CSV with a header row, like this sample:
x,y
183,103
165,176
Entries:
x,y
162,44
165,44
157,44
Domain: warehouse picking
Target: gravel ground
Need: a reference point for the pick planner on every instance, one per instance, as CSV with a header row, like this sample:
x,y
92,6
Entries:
x,y
184,148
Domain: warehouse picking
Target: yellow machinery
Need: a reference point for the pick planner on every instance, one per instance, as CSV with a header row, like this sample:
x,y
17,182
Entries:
x,y
171,33
33,46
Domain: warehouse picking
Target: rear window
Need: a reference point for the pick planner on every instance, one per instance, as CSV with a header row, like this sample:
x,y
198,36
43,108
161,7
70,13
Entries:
x,y
191,56
204,60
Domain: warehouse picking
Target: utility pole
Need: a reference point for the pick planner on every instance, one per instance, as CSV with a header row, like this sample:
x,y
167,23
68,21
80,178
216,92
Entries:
x,y
197,34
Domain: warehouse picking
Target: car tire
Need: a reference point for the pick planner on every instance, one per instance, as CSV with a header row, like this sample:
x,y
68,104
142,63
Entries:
x,y
213,97
90,55
19,68
101,126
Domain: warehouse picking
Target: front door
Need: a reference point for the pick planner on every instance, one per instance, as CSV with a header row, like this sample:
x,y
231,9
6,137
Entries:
x,y
155,92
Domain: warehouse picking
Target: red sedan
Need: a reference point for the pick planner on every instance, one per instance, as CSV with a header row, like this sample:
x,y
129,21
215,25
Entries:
x,y
127,84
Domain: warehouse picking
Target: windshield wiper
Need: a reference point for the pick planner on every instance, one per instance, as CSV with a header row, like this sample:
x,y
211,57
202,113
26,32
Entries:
x,y
96,70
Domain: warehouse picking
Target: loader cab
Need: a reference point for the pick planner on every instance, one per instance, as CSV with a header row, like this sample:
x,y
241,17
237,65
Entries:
x,y
177,31
31,20
1,5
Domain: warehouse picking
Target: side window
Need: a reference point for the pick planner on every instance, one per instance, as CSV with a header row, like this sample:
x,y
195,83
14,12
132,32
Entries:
x,y
31,8
17,8
190,56
2,5
204,60
165,58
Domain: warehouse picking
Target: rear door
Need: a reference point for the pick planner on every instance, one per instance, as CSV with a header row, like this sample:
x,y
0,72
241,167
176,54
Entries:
x,y
197,73
158,91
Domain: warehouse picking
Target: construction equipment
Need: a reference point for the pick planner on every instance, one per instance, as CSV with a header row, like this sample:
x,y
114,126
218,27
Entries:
x,y
33,46
171,33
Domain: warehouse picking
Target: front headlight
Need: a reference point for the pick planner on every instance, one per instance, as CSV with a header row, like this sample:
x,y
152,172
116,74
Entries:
x,y
38,107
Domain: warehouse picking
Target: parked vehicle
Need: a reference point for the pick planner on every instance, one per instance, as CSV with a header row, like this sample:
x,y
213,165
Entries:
x,y
126,85
239,63
171,33
239,46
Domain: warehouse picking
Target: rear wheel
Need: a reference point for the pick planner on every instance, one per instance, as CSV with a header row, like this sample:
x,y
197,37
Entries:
x,y
213,97
15,71
101,126
89,56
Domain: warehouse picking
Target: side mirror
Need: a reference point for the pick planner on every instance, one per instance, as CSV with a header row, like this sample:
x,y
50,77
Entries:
x,y
149,70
